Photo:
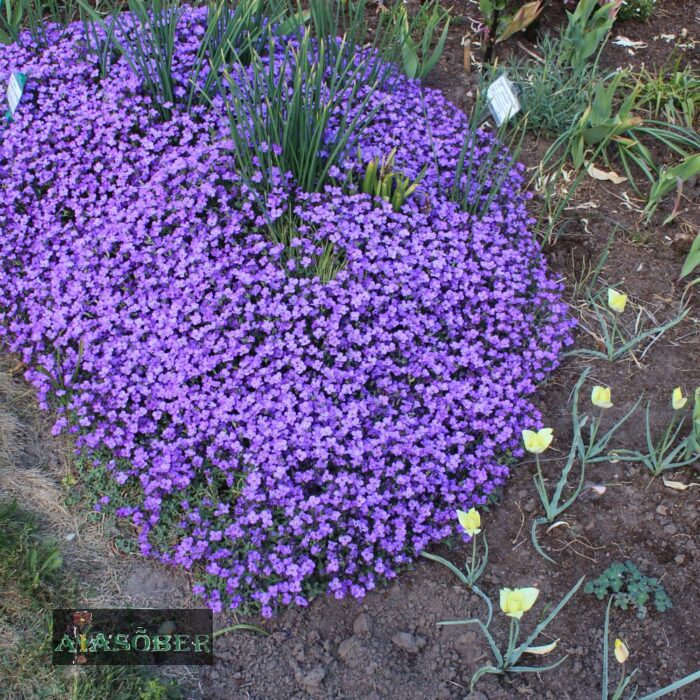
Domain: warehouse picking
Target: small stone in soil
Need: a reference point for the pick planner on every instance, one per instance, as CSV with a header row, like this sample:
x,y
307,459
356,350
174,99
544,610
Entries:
x,y
362,625
408,642
346,646
466,638
475,695
311,680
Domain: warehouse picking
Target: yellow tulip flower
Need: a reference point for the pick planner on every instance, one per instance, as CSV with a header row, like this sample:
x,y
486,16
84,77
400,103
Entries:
x,y
470,521
537,442
617,300
514,602
601,397
678,400
621,651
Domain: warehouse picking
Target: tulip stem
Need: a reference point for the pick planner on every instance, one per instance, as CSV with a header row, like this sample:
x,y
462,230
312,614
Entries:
x,y
540,479
471,566
668,438
593,434
513,635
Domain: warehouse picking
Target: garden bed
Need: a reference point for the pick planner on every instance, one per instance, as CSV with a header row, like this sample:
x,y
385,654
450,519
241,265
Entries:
x,y
388,645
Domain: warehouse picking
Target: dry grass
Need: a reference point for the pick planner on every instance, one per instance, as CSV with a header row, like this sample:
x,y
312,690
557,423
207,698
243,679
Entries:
x,y
34,467
35,470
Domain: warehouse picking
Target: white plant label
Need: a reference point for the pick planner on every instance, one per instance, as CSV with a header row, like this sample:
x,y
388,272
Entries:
x,y
502,100
15,89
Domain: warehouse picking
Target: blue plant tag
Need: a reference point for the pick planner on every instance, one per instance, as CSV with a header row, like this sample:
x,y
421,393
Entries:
x,y
15,90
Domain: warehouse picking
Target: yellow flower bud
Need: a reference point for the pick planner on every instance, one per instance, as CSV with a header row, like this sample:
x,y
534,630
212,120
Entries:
x,y
514,602
617,300
678,400
601,397
470,521
537,442
621,651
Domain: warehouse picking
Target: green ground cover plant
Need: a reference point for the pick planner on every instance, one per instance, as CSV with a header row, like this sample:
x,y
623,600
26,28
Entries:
x,y
630,589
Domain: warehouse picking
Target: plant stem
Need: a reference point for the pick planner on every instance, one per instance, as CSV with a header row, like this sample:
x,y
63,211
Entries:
x,y
512,639
472,565
491,41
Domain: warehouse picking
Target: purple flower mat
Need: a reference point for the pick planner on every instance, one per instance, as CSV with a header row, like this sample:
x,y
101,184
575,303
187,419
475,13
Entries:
x,y
283,435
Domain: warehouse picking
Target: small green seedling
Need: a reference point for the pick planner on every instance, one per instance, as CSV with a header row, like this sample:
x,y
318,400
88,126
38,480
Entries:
x,y
383,181
629,588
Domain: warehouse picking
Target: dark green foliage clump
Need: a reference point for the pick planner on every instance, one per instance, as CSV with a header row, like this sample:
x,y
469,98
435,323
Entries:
x,y
629,587
639,10
27,561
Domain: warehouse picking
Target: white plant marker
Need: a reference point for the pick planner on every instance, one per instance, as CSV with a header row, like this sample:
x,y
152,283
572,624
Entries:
x,y
502,100
15,89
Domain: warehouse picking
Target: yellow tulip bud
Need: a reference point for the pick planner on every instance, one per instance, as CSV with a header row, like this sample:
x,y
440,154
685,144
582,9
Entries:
x,y
601,397
537,442
678,400
514,602
621,651
470,521
617,300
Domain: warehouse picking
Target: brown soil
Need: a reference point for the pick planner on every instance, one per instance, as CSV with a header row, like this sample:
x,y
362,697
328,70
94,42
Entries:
x,y
389,645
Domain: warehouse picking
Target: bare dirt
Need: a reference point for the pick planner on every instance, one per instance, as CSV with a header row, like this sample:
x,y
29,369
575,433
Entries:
x,y
389,645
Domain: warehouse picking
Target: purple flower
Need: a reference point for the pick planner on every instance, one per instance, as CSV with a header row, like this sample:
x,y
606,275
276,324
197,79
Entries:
x,y
289,435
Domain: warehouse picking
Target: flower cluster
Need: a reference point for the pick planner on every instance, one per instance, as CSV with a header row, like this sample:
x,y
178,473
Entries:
x,y
301,435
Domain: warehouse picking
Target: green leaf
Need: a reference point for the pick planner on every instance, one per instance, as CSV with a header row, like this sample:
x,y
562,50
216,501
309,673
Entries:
x,y
430,63
293,23
410,58
541,627
240,627
691,678
486,7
